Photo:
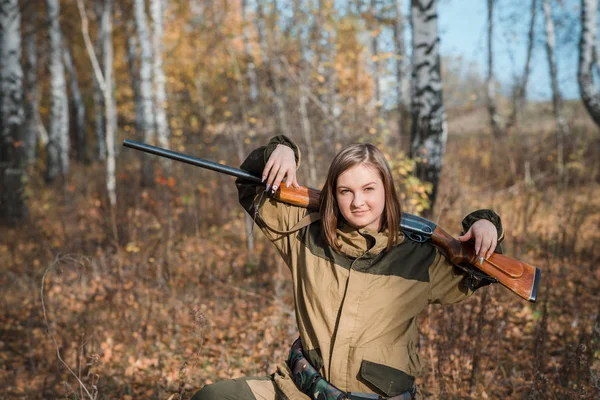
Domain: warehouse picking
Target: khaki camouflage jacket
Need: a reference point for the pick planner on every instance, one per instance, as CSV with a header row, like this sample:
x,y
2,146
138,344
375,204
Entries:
x,y
356,309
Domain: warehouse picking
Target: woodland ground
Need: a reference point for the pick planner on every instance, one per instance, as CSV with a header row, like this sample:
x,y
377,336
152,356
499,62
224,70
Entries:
x,y
170,300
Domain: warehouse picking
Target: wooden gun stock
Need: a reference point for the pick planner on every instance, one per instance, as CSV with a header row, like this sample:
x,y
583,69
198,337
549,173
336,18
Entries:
x,y
517,276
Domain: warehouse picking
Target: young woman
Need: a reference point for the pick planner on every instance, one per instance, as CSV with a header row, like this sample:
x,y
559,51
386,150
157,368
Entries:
x,y
359,283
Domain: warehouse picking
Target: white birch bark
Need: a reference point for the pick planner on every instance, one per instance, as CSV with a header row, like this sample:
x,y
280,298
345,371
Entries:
x,y
30,129
12,174
98,96
58,145
429,131
145,87
376,67
77,104
109,102
561,124
491,83
132,62
587,46
332,98
157,11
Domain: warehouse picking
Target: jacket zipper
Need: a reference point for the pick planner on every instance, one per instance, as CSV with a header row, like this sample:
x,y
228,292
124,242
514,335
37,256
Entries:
x,y
339,316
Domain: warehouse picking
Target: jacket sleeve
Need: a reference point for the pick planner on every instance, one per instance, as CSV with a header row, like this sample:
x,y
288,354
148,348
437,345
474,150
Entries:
x,y
447,283
450,284
269,214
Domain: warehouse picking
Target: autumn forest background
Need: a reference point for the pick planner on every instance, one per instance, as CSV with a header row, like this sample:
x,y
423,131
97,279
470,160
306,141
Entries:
x,y
125,276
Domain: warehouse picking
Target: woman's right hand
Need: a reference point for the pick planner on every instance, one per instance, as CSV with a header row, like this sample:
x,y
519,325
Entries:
x,y
281,163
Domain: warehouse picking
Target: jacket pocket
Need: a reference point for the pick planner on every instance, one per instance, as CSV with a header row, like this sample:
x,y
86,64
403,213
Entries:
x,y
388,380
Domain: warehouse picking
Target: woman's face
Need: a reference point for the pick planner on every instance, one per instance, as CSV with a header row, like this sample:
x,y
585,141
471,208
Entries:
x,y
361,197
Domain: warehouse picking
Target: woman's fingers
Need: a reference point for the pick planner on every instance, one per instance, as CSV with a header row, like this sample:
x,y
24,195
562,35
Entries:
x,y
477,243
267,169
278,178
291,179
492,248
272,175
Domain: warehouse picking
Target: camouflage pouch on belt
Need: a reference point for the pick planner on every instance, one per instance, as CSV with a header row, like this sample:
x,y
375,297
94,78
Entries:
x,y
308,379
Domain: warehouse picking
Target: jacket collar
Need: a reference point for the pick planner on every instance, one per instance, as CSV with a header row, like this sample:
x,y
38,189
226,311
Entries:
x,y
358,242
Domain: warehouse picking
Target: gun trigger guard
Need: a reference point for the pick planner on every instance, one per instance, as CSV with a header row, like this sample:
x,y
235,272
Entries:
x,y
415,237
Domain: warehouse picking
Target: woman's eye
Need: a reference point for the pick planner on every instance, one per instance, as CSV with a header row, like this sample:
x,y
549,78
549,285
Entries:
x,y
343,191
369,188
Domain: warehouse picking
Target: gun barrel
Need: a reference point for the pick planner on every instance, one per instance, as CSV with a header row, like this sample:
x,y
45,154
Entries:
x,y
198,162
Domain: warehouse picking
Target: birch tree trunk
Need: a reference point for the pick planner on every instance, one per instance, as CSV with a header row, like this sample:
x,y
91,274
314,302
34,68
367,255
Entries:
x,y
30,129
332,80
77,105
58,145
12,174
587,46
429,131
98,96
145,87
109,102
401,70
157,11
376,96
491,83
561,124
132,63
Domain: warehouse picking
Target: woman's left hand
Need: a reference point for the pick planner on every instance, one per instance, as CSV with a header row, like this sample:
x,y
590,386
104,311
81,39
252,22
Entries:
x,y
485,235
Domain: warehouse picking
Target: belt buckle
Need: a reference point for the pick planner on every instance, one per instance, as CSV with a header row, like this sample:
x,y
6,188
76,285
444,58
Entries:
x,y
362,396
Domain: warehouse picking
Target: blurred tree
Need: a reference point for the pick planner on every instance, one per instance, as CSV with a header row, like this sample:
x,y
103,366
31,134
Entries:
x,y
32,119
303,81
157,11
562,128
491,82
520,91
402,78
145,76
12,174
110,116
105,82
132,63
100,123
268,38
251,69
77,106
429,131
588,58
58,145
376,102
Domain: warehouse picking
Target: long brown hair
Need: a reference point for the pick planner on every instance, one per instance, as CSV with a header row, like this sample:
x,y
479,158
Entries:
x,y
354,154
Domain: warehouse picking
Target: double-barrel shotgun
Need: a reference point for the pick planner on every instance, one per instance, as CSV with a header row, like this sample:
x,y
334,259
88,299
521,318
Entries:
x,y
521,278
